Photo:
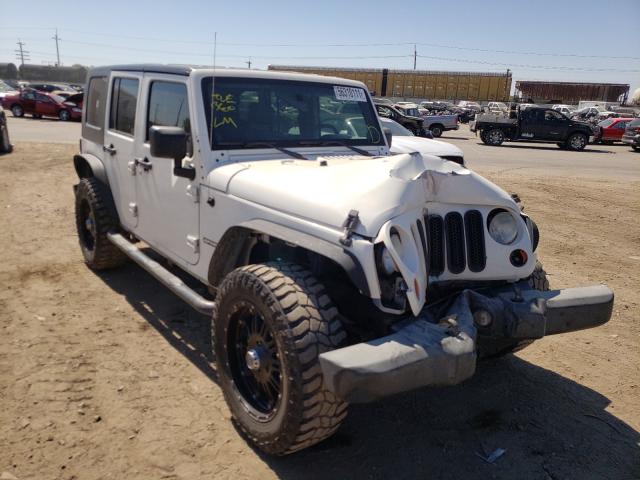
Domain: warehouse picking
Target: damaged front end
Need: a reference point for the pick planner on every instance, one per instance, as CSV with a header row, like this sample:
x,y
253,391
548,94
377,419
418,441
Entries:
x,y
440,347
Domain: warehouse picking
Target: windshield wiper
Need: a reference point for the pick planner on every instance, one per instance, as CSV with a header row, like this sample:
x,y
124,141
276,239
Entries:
x,y
337,143
291,153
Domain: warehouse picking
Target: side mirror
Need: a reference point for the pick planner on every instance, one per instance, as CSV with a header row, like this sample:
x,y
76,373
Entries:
x,y
171,142
388,135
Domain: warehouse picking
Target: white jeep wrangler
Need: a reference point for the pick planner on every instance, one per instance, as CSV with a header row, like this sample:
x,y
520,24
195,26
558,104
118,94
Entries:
x,y
339,272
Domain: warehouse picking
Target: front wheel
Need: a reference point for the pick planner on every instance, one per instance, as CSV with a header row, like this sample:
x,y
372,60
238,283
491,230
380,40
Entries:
x,y
17,111
498,348
577,141
270,324
64,115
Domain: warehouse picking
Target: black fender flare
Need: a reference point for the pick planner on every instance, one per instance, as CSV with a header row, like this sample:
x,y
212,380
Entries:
x,y
88,165
236,243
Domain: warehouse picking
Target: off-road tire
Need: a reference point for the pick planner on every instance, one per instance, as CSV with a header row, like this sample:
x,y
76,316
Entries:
x,y
17,111
538,281
92,199
483,137
577,142
495,137
304,322
5,144
436,130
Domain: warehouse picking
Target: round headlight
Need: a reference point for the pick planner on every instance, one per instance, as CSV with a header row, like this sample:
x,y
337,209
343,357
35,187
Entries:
x,y
386,262
503,227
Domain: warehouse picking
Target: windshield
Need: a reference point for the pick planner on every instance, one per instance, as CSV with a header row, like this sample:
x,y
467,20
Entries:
x,y
397,130
411,112
287,113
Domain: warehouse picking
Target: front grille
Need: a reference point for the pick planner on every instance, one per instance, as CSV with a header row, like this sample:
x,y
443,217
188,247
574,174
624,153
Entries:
x,y
454,233
474,230
435,229
457,242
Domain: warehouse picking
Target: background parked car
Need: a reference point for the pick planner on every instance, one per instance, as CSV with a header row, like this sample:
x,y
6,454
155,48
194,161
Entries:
x,y
403,141
39,104
51,87
631,134
413,123
6,89
611,129
564,109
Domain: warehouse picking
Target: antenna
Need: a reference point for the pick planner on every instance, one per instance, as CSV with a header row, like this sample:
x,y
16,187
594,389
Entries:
x,y
213,84
248,63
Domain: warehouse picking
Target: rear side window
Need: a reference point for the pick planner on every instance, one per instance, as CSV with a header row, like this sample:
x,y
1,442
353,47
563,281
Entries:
x,y
634,124
124,97
96,102
168,106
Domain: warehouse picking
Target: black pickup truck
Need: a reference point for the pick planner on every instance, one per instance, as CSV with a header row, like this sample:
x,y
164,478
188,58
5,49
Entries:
x,y
533,124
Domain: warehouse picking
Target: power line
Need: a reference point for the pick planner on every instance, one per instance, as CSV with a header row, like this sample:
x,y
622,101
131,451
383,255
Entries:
x,y
357,44
535,67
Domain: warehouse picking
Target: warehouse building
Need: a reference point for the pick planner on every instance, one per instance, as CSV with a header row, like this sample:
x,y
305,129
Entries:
x,y
432,85
570,92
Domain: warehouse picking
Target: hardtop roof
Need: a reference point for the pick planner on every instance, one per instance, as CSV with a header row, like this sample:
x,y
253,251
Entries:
x,y
202,70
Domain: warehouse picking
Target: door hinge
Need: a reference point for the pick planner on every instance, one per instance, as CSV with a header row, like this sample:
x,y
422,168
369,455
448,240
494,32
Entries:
x,y
133,208
194,192
194,243
131,166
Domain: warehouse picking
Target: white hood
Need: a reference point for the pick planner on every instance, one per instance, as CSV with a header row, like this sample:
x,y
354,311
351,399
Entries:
x,y
326,189
426,146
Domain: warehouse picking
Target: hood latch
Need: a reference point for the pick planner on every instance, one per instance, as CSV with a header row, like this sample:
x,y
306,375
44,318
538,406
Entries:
x,y
349,225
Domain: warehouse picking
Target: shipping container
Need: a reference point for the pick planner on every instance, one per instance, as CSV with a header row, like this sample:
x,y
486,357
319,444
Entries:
x,y
421,84
571,92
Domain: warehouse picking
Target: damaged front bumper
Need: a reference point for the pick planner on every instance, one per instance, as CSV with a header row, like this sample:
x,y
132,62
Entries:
x,y
440,347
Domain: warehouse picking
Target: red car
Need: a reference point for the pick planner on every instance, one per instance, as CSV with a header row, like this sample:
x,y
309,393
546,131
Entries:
x,y
40,104
612,129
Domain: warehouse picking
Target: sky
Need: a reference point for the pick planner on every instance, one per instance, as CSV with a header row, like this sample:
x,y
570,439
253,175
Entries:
x,y
561,40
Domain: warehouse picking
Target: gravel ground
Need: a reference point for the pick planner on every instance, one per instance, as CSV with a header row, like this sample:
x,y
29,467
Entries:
x,y
110,376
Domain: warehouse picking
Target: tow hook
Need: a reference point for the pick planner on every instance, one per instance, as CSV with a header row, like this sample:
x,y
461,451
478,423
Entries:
x,y
349,225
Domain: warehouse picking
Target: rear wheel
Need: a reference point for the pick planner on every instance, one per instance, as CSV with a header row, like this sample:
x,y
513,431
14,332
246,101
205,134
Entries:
x,y
436,130
495,137
17,111
94,220
577,141
270,324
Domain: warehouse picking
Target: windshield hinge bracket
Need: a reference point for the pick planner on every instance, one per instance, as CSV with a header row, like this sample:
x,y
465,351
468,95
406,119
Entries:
x,y
349,225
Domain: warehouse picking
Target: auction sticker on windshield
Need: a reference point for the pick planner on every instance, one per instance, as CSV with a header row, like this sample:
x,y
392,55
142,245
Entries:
x,y
350,93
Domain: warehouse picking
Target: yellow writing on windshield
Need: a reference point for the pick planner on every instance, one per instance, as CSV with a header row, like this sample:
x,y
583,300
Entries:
x,y
223,105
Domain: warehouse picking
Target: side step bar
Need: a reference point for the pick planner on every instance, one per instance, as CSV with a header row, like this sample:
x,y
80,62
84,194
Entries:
x,y
172,282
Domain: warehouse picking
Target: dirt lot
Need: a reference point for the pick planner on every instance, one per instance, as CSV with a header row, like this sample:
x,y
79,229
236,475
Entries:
x,y
109,376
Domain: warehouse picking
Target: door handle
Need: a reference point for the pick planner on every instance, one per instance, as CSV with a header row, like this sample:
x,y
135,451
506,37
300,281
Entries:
x,y
111,150
145,163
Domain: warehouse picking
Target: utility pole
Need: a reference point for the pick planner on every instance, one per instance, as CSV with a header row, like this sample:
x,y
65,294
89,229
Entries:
x,y
415,56
21,53
56,38
248,63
